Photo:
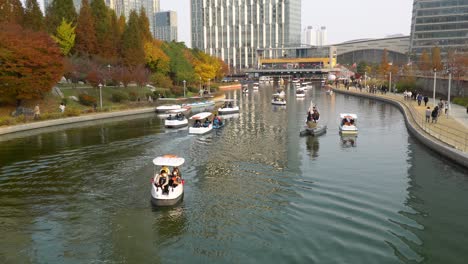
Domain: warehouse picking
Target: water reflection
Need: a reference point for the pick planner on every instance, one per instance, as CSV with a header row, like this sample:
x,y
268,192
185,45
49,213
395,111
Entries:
x,y
348,141
313,146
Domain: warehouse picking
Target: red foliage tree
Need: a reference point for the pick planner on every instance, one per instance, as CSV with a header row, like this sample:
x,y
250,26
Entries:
x,y
31,63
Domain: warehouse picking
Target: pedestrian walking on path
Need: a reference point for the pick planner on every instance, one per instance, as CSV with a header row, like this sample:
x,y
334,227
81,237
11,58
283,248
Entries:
x,y
435,114
37,112
428,114
426,99
419,97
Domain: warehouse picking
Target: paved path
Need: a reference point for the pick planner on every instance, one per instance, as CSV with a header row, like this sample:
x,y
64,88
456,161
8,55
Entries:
x,y
451,130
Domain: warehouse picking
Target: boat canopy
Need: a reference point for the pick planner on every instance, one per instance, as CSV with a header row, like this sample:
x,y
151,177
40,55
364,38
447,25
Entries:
x,y
169,107
346,115
169,160
200,116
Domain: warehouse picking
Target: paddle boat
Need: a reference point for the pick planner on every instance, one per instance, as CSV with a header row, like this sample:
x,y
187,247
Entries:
x,y
165,108
277,100
255,86
217,122
245,90
170,193
228,107
312,127
176,119
184,110
300,93
202,124
305,86
201,106
348,123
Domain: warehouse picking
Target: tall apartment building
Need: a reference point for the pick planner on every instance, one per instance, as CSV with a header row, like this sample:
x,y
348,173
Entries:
x,y
234,29
442,23
315,37
124,7
166,26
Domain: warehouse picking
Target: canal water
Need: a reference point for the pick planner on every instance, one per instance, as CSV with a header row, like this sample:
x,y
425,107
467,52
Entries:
x,y
255,191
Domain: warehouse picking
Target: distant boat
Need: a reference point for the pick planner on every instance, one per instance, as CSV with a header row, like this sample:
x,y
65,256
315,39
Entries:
x,y
348,123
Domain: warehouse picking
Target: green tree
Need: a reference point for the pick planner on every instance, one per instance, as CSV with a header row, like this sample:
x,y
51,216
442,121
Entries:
x,y
57,11
11,11
101,24
425,64
361,68
33,18
436,60
144,25
180,67
85,33
132,47
65,37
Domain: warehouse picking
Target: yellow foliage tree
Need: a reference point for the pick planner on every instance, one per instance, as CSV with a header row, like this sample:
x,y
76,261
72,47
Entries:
x,y
155,57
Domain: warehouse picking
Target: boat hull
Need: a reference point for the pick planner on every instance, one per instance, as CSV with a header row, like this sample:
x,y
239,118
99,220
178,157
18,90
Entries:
x,y
175,123
348,130
278,102
226,111
320,130
174,196
200,130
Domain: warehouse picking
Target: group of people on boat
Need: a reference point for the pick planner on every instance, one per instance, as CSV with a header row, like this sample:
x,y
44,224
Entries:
x,y
178,116
313,115
347,121
166,179
227,105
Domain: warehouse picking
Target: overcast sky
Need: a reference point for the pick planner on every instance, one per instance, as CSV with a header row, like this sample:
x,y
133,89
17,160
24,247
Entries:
x,y
345,19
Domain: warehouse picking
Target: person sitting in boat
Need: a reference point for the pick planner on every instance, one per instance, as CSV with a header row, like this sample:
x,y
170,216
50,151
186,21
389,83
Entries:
x,y
207,123
217,120
197,123
169,117
180,116
230,104
162,181
315,116
176,178
309,116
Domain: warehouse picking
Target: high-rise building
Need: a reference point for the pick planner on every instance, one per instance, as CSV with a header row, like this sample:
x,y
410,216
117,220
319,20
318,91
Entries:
x,y
441,23
166,26
234,29
124,7
315,37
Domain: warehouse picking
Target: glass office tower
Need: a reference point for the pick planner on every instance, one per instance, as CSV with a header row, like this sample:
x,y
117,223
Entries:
x,y
234,29
442,23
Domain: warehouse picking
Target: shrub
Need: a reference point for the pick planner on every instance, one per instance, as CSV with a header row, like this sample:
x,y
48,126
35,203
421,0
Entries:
x,y
87,100
72,112
132,96
47,116
177,91
118,97
7,121
192,89
65,101
463,101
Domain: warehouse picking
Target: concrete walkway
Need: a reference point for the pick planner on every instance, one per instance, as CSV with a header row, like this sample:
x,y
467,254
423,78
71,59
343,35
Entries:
x,y
449,136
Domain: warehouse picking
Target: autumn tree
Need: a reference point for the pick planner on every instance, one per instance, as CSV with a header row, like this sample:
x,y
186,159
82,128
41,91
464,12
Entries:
x,y
31,63
86,42
101,24
11,11
33,18
156,60
65,37
436,60
144,26
384,64
132,46
425,64
57,11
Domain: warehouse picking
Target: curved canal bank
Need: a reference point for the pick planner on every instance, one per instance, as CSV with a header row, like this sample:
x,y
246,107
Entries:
x,y
431,141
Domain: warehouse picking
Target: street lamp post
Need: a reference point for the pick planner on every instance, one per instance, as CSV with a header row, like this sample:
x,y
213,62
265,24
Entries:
x,y
100,94
184,86
108,73
434,90
209,86
390,82
448,96
365,80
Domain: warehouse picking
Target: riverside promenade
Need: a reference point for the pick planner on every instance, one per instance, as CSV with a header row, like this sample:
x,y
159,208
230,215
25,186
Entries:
x,y
448,137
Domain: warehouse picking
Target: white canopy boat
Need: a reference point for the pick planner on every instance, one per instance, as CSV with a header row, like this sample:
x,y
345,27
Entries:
x,y
256,86
348,123
169,194
228,107
300,93
305,86
176,119
278,100
200,127
165,108
245,90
